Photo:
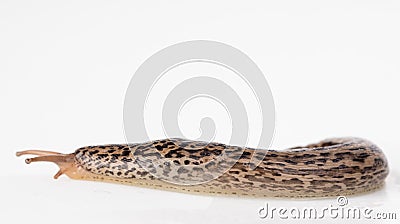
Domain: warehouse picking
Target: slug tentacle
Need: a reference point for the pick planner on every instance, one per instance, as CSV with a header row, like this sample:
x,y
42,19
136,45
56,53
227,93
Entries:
x,y
66,162
37,153
57,159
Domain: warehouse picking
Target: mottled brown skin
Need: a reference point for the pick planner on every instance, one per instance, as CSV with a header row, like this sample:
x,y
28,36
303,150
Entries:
x,y
340,166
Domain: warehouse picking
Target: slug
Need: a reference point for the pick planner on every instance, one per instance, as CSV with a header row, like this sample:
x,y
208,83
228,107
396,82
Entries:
x,y
333,167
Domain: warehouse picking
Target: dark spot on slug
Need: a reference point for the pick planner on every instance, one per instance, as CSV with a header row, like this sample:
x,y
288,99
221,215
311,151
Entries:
x,y
110,172
358,160
102,155
93,152
341,154
182,170
363,155
159,147
246,153
125,153
194,157
309,155
366,177
290,162
205,153
292,181
378,162
126,160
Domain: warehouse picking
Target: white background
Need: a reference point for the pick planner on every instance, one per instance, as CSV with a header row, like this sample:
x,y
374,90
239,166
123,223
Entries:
x,y
333,68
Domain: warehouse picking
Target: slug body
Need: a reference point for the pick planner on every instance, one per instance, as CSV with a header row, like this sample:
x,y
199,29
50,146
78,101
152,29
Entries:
x,y
339,166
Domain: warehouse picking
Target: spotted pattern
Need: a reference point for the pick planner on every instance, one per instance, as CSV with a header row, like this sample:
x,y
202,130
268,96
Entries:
x,y
332,167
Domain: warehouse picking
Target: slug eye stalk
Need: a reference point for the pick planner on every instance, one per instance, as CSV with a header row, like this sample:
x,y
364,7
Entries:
x,y
65,162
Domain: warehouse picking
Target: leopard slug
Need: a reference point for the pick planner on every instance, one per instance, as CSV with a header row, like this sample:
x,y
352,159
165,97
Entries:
x,y
333,167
